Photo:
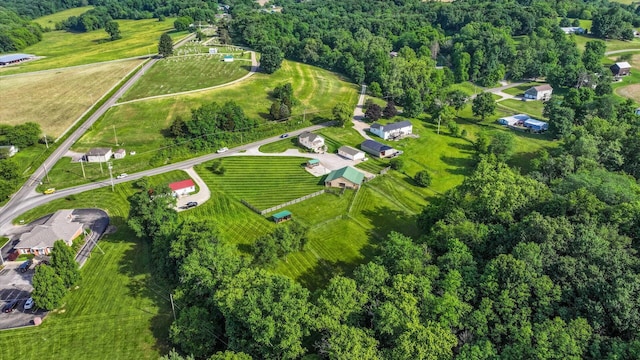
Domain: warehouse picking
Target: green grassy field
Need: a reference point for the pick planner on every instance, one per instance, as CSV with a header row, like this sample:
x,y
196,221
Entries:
x,y
282,146
68,92
612,45
62,48
183,73
520,89
117,311
50,21
533,108
266,181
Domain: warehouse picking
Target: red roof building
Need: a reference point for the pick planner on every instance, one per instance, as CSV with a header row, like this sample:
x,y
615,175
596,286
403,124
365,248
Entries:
x,y
183,187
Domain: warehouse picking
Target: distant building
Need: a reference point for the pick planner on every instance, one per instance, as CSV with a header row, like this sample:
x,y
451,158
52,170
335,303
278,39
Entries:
x,y
311,163
394,130
572,30
60,226
515,120
536,125
311,141
213,50
347,177
621,68
227,58
14,58
98,155
541,92
120,154
184,187
8,151
351,153
377,149
283,215
393,54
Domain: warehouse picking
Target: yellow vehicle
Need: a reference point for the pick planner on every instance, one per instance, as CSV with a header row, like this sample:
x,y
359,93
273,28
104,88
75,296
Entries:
x,y
49,191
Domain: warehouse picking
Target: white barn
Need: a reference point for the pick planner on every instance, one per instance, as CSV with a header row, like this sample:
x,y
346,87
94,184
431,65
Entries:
x,y
99,155
401,128
351,153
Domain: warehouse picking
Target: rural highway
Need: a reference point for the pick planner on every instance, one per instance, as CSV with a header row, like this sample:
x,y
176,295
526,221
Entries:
x,y
35,199
28,189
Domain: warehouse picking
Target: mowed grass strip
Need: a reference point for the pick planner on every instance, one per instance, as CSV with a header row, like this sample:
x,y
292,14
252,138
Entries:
x,y
51,20
62,48
56,99
266,181
184,73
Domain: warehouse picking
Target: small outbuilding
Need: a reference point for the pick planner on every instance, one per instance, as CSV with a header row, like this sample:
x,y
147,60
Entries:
x,y
120,154
351,153
377,149
184,187
541,92
621,69
8,151
536,125
283,215
572,30
227,58
311,163
347,177
98,155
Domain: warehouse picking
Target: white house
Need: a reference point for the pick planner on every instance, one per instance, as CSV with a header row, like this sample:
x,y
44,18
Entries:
x,y
397,129
8,151
311,141
541,92
99,155
184,187
351,153
120,154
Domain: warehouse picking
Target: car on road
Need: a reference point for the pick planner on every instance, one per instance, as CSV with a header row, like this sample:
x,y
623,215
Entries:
x,y
222,150
284,136
191,204
28,304
24,267
122,176
49,191
10,306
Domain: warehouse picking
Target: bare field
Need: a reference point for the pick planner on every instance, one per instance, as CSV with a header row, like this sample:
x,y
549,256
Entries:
x,y
631,92
55,99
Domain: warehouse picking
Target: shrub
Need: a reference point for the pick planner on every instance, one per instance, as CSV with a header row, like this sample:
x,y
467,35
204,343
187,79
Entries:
x,y
422,178
396,164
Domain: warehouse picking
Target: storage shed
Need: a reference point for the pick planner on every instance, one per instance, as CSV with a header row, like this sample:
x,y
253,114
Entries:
x,y
350,153
377,149
621,68
184,187
536,125
283,215
99,155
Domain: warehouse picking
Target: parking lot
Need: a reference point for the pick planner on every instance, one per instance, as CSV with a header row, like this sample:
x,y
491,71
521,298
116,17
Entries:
x,y
16,285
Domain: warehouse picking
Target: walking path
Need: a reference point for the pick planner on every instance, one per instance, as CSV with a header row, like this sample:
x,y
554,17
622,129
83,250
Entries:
x,y
200,197
358,115
254,69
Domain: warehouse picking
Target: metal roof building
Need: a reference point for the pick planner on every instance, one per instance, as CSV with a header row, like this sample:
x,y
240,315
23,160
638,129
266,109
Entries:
x,y
14,58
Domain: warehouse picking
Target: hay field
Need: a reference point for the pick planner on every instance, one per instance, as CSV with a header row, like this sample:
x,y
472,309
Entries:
x,y
55,99
51,20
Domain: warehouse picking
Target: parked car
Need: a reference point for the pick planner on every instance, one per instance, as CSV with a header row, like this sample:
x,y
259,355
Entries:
x,y
49,191
221,150
24,267
284,136
28,304
11,305
191,204
122,176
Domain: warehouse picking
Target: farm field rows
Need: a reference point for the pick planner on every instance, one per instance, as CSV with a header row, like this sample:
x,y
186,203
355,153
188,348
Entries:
x,y
69,92
62,48
190,72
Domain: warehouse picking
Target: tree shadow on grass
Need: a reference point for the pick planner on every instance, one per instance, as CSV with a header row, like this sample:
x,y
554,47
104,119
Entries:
x,y
463,166
319,276
246,67
386,220
466,148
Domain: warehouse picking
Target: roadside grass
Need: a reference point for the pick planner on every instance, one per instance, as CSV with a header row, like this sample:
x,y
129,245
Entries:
x,y
51,20
532,108
117,309
265,181
183,73
282,146
62,48
337,137
68,93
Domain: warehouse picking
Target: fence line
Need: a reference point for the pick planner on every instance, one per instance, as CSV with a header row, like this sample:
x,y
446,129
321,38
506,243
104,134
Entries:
x,y
280,206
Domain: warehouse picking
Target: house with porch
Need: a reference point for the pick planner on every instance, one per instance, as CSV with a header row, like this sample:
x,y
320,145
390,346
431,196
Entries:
x,y
392,131
347,177
311,141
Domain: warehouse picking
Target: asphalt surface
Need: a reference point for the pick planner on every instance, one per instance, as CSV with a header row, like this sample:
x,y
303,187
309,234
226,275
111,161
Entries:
x,y
16,285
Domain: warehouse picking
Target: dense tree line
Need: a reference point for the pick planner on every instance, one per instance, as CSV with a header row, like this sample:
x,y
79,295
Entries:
x,y
37,8
16,32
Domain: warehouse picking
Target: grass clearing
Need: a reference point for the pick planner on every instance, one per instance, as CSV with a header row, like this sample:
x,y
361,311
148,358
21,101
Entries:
x,y
68,93
183,73
612,45
520,89
629,86
51,20
62,48
532,108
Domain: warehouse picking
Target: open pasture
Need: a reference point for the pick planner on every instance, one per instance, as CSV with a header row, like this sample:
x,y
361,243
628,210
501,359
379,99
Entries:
x,y
68,93
51,20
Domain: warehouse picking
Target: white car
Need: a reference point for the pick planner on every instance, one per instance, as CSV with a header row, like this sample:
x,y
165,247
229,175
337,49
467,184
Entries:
x,y
221,150
28,304
122,176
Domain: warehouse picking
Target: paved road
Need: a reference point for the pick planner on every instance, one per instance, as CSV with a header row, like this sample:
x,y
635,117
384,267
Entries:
x,y
620,51
358,114
35,199
28,189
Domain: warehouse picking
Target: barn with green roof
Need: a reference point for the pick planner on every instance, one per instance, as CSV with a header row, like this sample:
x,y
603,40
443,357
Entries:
x,y
347,177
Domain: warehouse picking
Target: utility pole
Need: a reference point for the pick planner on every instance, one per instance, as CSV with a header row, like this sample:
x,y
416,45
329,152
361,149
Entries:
x,y
438,124
111,175
101,171
115,135
173,309
46,141
44,165
82,166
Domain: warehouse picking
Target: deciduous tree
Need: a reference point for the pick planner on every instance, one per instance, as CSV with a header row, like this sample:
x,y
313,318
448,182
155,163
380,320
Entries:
x,y
341,114
483,105
113,29
165,46
48,288
64,263
422,178
271,59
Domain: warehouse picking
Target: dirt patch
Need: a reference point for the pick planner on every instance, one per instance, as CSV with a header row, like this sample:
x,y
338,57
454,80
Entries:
x,y
630,91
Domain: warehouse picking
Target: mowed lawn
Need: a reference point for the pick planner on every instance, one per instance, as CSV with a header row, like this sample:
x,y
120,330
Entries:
x,y
50,21
532,108
183,73
265,181
62,48
629,87
117,310
55,99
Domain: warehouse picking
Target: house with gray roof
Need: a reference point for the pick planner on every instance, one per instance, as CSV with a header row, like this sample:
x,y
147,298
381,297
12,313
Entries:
x,y
393,130
377,149
39,241
99,155
347,177
350,153
311,141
